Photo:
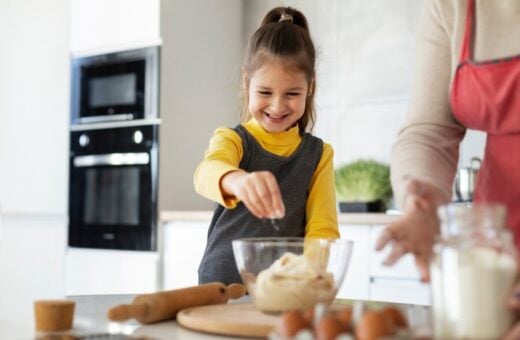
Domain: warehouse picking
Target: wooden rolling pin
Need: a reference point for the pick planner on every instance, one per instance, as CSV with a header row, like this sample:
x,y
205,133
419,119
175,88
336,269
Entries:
x,y
150,308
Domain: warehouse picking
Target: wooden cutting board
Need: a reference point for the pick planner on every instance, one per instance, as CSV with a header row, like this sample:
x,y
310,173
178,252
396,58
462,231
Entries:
x,y
236,319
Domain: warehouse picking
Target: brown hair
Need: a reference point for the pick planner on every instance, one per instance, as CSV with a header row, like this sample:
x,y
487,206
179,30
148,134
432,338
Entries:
x,y
284,36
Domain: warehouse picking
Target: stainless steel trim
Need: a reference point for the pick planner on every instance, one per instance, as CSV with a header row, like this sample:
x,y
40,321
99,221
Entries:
x,y
155,42
109,118
110,125
149,53
114,159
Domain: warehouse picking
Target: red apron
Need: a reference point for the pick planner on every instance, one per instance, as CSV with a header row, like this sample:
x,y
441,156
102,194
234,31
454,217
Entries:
x,y
485,96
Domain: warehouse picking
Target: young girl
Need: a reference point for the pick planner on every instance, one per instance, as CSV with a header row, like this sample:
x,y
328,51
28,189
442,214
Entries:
x,y
269,176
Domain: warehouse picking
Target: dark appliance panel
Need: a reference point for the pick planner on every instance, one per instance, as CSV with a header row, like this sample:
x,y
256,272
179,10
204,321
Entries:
x,y
113,188
113,89
118,86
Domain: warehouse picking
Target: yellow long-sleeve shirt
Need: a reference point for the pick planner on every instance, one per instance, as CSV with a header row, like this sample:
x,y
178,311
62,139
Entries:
x,y
225,153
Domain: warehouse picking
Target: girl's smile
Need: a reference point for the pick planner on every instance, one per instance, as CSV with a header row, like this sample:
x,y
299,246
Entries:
x,y
277,96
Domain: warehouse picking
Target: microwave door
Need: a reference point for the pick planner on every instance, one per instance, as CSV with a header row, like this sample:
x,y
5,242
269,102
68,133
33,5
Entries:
x,y
115,87
112,92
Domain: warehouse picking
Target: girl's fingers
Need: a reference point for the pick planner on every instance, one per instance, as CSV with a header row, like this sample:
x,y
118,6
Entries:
x,y
276,206
253,207
263,197
260,193
268,195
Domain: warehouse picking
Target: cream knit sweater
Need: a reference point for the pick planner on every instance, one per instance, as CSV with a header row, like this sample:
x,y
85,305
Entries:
x,y
427,145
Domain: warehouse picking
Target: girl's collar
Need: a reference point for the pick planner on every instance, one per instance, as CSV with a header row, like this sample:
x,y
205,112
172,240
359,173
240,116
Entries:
x,y
286,137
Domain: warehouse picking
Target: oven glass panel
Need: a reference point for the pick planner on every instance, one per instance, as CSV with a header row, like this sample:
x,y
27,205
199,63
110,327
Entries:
x,y
112,196
113,90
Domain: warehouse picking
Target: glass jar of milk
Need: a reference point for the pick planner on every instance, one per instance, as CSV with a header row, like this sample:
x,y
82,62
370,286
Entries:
x,y
472,272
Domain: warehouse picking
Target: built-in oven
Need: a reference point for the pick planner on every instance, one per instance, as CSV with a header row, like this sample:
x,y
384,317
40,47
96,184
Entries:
x,y
118,86
113,188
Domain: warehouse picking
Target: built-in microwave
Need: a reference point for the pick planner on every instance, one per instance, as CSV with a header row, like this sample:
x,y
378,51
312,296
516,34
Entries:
x,y
118,86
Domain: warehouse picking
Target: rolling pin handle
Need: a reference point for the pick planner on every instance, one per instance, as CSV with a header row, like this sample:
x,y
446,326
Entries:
x,y
125,312
235,290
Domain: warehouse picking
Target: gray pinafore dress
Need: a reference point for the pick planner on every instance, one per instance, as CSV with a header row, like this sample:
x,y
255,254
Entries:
x,y
293,173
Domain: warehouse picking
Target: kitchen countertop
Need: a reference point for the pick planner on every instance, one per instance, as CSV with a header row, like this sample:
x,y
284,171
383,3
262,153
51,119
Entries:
x,y
343,218
90,319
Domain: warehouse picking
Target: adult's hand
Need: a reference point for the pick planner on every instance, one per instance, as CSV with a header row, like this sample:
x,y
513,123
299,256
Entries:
x,y
259,191
414,231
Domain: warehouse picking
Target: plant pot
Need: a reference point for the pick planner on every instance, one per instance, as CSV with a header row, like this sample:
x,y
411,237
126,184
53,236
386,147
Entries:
x,y
372,206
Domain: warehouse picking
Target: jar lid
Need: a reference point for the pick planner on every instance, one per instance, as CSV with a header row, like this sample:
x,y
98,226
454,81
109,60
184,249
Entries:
x,y
457,218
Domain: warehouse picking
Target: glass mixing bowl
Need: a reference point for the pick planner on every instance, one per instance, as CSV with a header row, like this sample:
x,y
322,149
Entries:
x,y
291,273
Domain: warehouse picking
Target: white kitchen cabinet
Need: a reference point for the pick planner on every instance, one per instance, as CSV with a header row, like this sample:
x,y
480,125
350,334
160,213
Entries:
x,y
98,26
356,284
105,271
183,244
31,260
399,290
369,279
34,104
398,283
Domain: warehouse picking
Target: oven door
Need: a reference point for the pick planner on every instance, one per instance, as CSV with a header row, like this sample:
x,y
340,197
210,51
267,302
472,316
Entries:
x,y
113,200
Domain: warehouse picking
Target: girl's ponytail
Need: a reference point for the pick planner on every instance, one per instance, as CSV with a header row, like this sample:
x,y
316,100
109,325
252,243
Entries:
x,y
286,15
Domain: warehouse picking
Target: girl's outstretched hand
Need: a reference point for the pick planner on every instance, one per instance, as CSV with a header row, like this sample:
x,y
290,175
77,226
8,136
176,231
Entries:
x,y
414,232
258,190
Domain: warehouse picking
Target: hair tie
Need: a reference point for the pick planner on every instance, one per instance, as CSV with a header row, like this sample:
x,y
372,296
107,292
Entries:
x,y
286,17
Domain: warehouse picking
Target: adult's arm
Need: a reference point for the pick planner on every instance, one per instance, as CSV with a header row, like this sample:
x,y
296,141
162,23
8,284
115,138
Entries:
x,y
427,144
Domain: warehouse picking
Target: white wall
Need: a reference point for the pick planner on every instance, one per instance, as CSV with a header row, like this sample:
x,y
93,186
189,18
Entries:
x,y
200,79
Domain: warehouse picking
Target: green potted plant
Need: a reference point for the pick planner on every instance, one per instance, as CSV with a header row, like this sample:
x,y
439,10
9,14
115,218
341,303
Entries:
x,y
363,186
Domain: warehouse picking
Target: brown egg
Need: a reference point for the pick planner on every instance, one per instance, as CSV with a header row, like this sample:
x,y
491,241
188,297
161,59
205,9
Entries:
x,y
345,317
396,315
291,323
328,328
309,315
373,325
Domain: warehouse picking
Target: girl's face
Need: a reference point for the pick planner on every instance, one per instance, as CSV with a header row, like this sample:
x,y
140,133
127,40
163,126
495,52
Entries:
x,y
277,96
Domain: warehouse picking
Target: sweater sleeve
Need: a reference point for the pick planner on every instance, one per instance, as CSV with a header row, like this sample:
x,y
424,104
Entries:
x,y
427,144
222,156
322,215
